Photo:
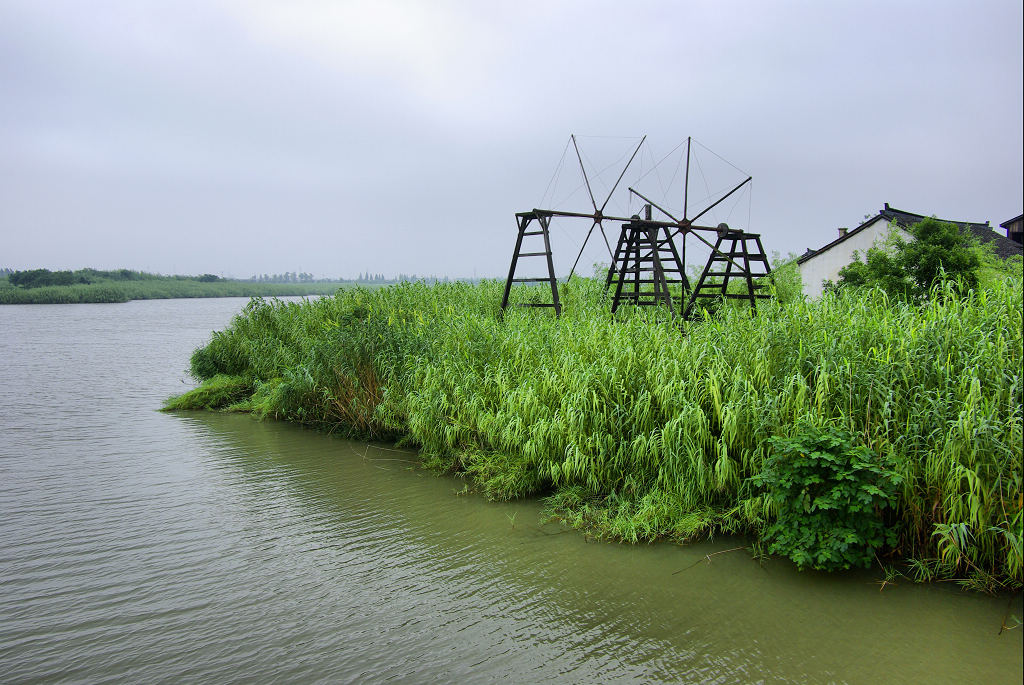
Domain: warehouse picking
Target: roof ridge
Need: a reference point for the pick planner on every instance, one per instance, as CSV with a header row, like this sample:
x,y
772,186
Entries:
x,y
891,214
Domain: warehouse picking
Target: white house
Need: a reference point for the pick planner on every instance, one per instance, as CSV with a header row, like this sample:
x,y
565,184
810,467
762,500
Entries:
x,y
824,264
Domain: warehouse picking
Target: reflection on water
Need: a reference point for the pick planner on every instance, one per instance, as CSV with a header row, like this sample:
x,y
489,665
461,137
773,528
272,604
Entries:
x,y
142,546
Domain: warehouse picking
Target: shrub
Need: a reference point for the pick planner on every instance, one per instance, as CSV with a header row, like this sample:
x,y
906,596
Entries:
x,y
830,496
939,252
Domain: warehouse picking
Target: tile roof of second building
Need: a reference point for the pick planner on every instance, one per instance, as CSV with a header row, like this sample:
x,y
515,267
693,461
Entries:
x,y
1004,247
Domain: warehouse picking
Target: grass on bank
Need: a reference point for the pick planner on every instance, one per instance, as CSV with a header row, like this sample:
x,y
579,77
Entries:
x,y
124,291
638,431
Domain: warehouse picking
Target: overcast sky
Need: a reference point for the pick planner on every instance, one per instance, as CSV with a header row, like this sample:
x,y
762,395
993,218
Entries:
x,y
340,137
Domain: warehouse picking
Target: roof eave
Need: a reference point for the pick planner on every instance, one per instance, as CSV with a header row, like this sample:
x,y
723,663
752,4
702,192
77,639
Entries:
x,y
1006,224
840,239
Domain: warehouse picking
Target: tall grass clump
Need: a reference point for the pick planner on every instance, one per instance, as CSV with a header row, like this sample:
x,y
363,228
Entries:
x,y
638,430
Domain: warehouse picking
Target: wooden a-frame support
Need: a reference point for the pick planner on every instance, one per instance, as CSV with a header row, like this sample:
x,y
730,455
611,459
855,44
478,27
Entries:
x,y
737,262
644,257
524,219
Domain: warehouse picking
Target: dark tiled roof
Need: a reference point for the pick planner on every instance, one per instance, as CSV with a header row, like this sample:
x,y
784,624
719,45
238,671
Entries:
x,y
1004,247
810,253
1006,224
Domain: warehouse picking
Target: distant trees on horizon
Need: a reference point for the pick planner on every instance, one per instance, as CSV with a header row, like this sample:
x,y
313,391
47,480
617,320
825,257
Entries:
x,y
40,278
36,278
363,277
286,277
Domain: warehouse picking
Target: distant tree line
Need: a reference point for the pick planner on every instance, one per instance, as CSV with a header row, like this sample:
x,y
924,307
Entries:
x,y
286,277
368,277
363,277
39,278
36,278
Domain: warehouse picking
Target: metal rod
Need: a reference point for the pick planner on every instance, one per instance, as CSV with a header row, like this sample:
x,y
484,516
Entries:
x,y
685,225
728,258
719,200
599,213
655,205
573,270
615,258
686,186
674,256
700,281
621,175
585,179
593,216
605,236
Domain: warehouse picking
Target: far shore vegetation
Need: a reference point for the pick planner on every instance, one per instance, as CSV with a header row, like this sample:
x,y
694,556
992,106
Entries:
x,y
43,286
879,425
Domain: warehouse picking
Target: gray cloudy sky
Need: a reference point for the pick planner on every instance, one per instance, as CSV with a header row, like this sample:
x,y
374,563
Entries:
x,y
334,137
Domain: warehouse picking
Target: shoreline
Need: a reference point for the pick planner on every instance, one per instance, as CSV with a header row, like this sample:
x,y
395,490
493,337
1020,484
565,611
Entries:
x,y
636,432
117,293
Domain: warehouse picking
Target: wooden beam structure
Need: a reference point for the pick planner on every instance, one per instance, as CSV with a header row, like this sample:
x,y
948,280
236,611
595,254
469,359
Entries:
x,y
647,266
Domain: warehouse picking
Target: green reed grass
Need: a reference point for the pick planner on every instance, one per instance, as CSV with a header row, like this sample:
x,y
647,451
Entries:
x,y
637,430
218,392
161,288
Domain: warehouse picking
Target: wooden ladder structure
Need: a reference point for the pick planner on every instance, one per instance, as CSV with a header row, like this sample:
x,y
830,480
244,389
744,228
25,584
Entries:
x,y
524,219
645,265
737,263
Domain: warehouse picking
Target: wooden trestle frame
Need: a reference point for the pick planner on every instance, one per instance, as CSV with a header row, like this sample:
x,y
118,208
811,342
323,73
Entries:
x,y
524,219
645,255
647,266
739,256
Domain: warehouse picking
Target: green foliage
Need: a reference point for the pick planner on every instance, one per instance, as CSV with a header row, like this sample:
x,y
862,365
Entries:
x,y
910,269
134,285
940,251
37,278
786,282
654,431
41,278
829,495
995,269
880,269
216,393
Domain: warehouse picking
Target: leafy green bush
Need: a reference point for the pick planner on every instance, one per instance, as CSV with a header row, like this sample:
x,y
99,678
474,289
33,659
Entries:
x,y
830,496
939,252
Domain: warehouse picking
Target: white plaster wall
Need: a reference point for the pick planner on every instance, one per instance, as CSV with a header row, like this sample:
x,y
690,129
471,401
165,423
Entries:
x,y
825,266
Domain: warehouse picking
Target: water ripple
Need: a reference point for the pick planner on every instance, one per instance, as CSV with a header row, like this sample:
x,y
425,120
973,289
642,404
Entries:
x,y
143,547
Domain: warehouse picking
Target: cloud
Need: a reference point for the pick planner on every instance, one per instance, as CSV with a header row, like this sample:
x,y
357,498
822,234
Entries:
x,y
401,136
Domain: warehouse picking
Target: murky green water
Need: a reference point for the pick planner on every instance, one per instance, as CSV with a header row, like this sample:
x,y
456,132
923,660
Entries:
x,y
137,546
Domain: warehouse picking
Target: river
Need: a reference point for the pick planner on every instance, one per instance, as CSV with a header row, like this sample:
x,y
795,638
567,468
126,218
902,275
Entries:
x,y
138,546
